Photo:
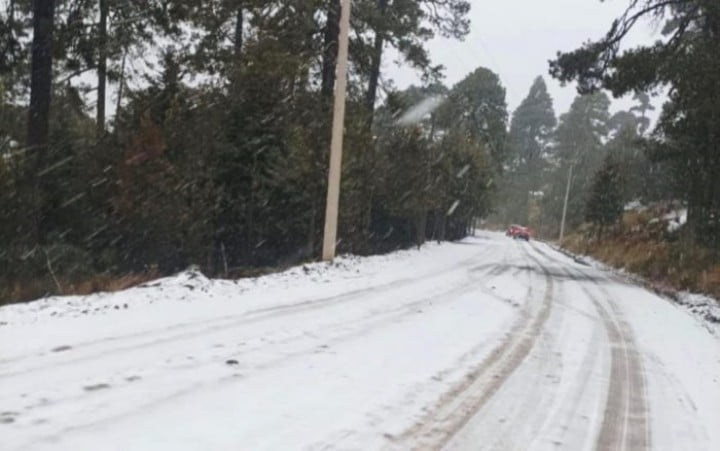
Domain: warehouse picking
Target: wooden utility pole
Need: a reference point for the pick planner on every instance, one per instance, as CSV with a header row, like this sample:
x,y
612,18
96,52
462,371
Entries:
x,y
336,143
565,203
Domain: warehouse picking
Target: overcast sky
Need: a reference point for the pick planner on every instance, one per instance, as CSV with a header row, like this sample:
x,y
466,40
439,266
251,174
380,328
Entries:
x,y
516,38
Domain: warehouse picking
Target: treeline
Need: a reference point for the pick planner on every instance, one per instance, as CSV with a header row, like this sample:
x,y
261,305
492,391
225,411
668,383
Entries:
x,y
685,146
602,162
147,136
597,160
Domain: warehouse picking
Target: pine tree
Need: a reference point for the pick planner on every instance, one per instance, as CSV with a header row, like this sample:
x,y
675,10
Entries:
x,y
216,150
478,107
578,145
686,60
530,137
642,109
605,202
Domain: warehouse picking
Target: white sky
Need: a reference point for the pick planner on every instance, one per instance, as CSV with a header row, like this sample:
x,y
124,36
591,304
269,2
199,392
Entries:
x,y
516,38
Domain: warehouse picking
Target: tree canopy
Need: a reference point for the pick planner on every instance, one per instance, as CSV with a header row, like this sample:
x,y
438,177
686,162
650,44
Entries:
x,y
210,143
685,61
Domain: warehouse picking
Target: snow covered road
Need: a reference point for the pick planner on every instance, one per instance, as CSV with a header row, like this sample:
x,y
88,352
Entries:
x,y
484,344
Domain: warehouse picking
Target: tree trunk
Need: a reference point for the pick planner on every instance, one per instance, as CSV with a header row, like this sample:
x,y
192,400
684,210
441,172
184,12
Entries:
x,y
250,213
526,208
443,227
368,158
38,131
692,226
239,24
375,64
102,69
41,75
330,48
420,229
121,83
312,231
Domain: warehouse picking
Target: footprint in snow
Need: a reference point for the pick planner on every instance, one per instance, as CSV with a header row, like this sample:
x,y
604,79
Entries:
x,y
8,417
96,387
62,348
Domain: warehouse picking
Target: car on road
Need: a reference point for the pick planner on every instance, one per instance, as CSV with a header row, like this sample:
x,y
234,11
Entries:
x,y
519,232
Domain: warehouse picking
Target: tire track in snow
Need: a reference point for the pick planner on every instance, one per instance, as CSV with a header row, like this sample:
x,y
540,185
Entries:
x,y
174,333
625,423
349,329
458,406
527,412
207,324
367,323
568,410
532,410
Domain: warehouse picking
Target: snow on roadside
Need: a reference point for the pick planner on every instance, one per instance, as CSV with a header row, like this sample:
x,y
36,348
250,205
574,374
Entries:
x,y
191,286
221,365
186,286
190,298
101,303
701,305
705,308
635,205
676,219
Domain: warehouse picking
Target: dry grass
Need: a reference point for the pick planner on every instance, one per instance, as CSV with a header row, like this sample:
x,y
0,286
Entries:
x,y
110,283
643,246
21,291
710,279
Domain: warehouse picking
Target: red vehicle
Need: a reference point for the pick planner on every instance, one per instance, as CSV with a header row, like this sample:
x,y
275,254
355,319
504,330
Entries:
x,y
519,232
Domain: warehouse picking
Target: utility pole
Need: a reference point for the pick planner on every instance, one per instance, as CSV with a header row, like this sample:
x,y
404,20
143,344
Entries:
x,y
565,204
575,160
336,143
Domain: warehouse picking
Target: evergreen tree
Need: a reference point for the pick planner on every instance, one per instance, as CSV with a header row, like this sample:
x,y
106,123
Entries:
x,y
642,109
605,202
477,106
216,150
531,129
686,60
579,140
449,180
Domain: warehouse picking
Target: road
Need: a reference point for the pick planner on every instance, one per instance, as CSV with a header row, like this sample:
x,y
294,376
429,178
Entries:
x,y
485,344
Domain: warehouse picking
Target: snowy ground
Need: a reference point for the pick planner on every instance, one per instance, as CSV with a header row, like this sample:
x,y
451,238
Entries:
x,y
485,344
705,308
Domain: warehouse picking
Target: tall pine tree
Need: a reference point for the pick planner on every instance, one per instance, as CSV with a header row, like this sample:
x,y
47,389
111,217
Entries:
x,y
531,130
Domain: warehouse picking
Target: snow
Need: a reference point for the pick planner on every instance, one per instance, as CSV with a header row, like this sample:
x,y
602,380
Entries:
x,y
145,372
705,309
683,366
420,111
676,219
634,205
353,355
681,356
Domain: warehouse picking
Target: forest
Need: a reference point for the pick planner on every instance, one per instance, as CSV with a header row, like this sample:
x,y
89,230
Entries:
x,y
139,138
212,149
